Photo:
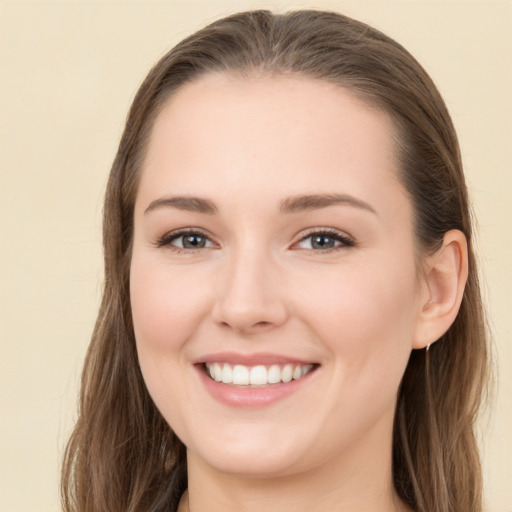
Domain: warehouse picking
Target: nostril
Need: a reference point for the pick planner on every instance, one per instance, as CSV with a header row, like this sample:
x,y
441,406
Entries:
x,y
252,327
262,324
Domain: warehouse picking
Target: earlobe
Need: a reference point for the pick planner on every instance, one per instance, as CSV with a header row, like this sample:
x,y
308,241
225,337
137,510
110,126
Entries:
x,y
445,277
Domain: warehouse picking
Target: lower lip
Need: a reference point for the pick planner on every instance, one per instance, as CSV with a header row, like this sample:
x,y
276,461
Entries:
x,y
235,396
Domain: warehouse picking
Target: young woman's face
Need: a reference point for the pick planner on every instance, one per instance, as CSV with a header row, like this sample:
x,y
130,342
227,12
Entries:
x,y
273,279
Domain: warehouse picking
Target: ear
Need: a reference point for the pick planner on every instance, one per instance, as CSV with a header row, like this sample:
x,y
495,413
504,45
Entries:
x,y
443,282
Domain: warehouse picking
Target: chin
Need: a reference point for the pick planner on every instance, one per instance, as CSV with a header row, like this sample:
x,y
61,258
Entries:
x,y
257,458
257,466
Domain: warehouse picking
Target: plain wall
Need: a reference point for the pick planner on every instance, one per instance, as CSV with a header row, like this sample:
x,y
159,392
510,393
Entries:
x,y
68,71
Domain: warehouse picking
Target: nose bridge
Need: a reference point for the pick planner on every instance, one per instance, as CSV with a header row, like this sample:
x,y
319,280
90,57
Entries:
x,y
249,297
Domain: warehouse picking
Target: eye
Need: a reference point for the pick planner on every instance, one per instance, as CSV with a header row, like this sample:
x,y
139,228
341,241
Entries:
x,y
325,241
185,240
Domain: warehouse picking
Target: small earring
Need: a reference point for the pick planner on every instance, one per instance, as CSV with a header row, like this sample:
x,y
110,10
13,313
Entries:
x,y
428,347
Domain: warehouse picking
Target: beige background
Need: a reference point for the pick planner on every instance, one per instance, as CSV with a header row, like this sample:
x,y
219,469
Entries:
x,y
68,71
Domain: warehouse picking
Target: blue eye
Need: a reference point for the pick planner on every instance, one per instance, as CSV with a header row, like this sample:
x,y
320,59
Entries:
x,y
325,241
318,241
188,240
192,241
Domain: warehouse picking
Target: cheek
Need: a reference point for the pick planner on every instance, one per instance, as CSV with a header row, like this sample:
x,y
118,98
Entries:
x,y
366,321
166,306
366,313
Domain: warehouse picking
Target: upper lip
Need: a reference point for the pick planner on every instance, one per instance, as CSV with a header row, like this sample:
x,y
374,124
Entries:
x,y
254,359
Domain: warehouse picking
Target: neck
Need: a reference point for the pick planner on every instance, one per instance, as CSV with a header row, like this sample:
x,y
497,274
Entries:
x,y
355,483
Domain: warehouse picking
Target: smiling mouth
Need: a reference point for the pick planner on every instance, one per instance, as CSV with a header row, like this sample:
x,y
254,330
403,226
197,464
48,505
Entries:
x,y
257,376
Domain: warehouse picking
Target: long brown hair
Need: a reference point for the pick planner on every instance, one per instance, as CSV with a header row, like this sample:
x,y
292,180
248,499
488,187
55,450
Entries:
x,y
122,455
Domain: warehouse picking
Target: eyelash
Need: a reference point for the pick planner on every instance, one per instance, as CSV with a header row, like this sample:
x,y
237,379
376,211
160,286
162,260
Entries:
x,y
345,240
168,238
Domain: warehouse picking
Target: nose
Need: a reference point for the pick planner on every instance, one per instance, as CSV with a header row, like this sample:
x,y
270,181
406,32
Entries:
x,y
250,296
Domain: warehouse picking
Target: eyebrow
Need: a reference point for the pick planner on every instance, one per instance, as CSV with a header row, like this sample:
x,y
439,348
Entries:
x,y
316,201
191,204
293,204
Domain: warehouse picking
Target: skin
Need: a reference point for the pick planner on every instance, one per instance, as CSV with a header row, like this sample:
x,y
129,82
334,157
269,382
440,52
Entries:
x,y
259,285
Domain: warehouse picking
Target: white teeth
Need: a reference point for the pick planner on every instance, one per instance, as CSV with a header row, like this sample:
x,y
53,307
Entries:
x,y
240,375
217,372
287,373
306,369
227,374
274,374
297,372
259,375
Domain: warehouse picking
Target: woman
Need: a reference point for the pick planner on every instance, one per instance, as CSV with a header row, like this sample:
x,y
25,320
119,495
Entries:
x,y
291,314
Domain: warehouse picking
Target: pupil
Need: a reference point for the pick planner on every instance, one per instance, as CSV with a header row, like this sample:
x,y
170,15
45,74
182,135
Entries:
x,y
323,242
193,241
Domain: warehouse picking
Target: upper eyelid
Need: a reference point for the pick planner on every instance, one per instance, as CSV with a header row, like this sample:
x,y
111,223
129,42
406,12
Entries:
x,y
310,231
330,231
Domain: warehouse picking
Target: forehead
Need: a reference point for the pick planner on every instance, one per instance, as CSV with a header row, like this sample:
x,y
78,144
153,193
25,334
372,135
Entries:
x,y
273,135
